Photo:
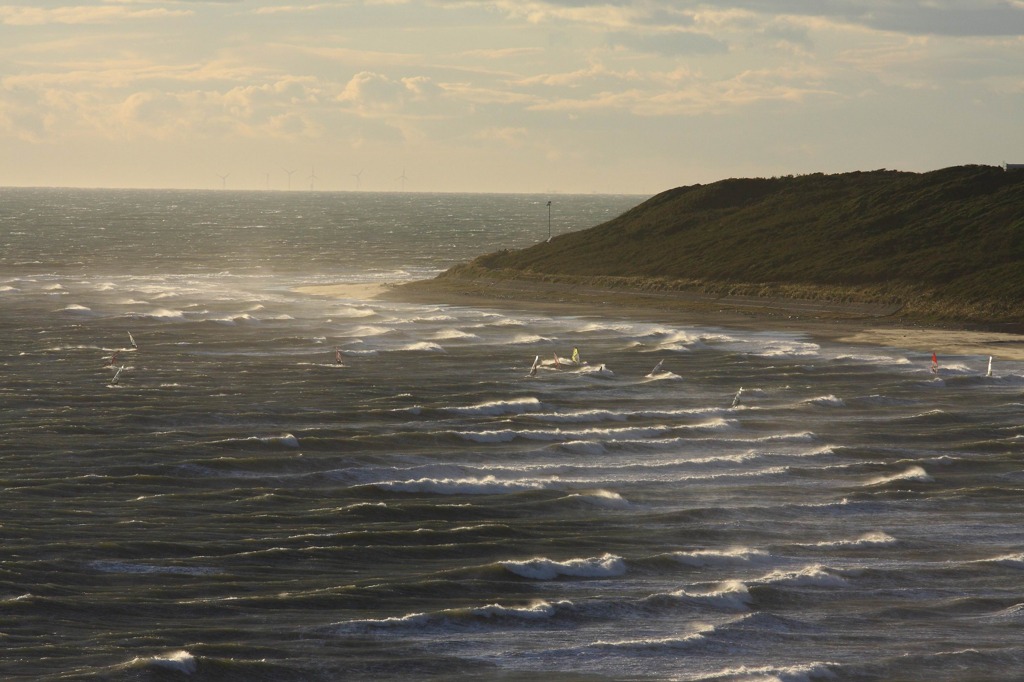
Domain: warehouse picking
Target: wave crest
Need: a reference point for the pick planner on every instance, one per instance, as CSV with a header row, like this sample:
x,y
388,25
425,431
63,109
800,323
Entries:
x,y
604,566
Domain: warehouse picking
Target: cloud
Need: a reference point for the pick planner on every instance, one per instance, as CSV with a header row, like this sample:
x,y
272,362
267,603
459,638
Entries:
x,y
507,136
13,15
668,43
914,17
377,93
684,93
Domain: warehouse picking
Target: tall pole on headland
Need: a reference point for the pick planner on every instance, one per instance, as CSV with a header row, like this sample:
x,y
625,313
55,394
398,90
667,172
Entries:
x,y
549,221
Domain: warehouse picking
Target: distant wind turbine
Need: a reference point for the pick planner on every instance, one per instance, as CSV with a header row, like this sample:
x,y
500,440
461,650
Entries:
x,y
224,180
357,176
312,178
289,172
401,178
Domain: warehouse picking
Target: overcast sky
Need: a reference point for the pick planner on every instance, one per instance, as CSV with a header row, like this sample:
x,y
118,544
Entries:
x,y
501,95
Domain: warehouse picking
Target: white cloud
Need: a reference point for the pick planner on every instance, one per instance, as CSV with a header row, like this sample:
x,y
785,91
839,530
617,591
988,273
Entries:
x,y
376,93
14,15
396,78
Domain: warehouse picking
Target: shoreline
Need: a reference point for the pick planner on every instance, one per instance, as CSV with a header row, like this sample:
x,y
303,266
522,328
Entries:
x,y
856,324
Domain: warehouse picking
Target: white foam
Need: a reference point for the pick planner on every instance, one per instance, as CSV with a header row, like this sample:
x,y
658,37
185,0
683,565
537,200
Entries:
x,y
499,407
454,334
656,643
423,346
508,435
489,485
179,661
809,576
603,498
605,566
370,330
526,339
914,473
867,540
582,447
540,610
597,370
353,312
731,594
160,314
825,401
536,611
589,416
1015,612
873,359
581,416
233,319
809,672
1011,560
716,557
663,375
286,439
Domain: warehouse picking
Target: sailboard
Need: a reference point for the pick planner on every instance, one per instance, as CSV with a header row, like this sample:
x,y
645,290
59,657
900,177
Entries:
x,y
575,355
657,368
337,356
117,375
131,339
736,398
557,364
935,364
989,372
536,364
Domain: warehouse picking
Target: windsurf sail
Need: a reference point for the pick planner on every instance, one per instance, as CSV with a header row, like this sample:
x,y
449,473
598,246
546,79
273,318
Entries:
x,y
113,360
117,375
131,339
575,355
536,363
337,356
935,364
989,372
557,365
736,398
657,368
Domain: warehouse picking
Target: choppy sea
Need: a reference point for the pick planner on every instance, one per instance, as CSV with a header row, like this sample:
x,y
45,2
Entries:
x,y
285,486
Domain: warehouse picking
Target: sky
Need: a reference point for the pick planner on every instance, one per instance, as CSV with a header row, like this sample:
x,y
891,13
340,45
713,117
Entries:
x,y
531,96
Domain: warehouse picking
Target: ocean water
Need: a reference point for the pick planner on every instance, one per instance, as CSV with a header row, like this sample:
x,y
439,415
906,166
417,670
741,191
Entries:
x,y
240,505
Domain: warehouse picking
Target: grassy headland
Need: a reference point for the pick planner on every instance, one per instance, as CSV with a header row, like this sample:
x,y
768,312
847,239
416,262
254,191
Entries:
x,y
943,246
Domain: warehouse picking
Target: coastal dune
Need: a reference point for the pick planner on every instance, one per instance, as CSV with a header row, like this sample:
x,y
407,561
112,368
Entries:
x,y
929,261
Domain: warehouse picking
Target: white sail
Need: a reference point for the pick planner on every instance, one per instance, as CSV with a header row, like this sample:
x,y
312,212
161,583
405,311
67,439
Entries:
x,y
989,372
117,375
131,339
536,363
657,368
736,399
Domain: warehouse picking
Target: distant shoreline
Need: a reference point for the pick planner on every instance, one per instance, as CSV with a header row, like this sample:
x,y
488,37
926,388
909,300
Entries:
x,y
845,323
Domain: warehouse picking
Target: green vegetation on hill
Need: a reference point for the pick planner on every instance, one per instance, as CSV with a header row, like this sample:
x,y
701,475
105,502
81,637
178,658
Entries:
x,y
947,244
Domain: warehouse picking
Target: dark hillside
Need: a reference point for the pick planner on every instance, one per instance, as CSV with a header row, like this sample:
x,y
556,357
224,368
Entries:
x,y
950,242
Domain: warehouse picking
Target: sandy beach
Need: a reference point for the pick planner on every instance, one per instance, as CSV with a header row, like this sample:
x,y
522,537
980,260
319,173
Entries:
x,y
846,323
